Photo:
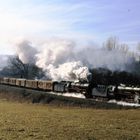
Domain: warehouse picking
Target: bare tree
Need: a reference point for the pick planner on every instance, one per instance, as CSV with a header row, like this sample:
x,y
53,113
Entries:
x,y
124,48
112,43
17,68
136,54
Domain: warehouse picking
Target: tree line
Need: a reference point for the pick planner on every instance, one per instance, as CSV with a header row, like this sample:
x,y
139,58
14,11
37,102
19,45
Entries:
x,y
105,76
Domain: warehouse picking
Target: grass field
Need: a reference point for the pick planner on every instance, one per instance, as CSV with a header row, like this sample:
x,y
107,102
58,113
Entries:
x,y
23,121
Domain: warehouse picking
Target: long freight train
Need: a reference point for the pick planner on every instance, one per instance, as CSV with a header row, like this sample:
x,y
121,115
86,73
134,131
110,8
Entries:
x,y
102,92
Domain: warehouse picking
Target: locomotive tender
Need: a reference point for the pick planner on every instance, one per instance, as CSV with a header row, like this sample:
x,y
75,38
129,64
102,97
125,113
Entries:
x,y
103,92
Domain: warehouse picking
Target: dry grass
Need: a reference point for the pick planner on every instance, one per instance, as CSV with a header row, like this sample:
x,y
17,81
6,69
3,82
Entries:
x,y
24,121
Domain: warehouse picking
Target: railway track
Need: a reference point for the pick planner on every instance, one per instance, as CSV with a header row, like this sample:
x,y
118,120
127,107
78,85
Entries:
x,y
37,96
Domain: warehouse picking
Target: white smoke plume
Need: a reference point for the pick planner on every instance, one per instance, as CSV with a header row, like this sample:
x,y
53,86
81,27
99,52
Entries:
x,y
26,52
60,60
111,59
68,71
57,59
56,52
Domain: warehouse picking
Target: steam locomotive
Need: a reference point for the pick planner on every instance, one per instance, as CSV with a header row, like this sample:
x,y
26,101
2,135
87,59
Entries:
x,y
103,92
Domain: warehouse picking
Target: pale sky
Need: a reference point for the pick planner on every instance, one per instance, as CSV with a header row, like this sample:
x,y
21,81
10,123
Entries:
x,y
79,20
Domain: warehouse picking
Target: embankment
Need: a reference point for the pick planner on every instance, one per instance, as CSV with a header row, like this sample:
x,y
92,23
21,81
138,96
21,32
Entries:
x,y
34,96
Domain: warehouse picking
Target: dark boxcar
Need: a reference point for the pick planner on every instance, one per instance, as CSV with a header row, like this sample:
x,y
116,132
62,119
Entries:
x,y
100,91
45,85
79,87
59,87
31,84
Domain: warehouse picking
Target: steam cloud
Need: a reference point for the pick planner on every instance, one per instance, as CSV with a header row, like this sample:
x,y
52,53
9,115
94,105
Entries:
x,y
60,60
26,52
100,57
